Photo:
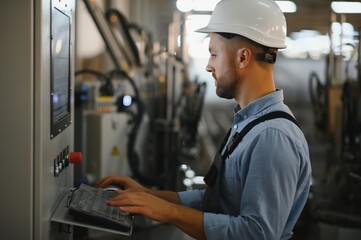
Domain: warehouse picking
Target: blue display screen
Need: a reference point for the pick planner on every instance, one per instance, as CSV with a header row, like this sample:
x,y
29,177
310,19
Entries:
x,y
60,79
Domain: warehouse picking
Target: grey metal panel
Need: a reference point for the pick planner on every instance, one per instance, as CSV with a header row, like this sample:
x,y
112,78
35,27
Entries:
x,y
49,190
30,192
106,132
16,121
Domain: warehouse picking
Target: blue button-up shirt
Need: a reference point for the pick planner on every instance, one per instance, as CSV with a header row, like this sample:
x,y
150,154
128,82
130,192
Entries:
x,y
266,180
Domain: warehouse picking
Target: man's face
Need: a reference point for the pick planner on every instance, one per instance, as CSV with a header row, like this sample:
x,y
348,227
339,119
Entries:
x,y
222,65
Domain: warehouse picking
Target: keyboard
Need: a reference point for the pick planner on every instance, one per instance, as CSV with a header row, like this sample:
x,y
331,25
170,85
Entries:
x,y
89,203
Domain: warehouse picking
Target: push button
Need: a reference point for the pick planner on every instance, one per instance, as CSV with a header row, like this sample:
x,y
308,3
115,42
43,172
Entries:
x,y
75,157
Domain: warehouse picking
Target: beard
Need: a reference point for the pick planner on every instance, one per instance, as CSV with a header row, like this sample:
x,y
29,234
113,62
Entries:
x,y
225,89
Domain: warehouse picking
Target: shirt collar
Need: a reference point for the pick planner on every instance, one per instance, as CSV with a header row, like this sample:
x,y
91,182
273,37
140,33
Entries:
x,y
259,104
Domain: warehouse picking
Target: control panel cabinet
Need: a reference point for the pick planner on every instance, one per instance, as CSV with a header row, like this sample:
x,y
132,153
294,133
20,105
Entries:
x,y
36,102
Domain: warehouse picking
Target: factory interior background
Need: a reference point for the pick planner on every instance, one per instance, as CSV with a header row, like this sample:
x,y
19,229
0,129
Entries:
x,y
140,103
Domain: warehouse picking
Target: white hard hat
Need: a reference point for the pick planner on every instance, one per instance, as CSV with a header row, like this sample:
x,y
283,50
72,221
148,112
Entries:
x,y
259,20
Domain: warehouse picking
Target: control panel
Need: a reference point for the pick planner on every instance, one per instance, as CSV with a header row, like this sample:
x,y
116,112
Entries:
x,y
64,158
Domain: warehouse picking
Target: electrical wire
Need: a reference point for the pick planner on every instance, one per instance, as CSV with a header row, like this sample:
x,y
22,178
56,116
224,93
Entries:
x,y
133,158
318,96
107,88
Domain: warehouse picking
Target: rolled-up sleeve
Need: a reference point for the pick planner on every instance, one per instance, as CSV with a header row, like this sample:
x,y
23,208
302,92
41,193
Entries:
x,y
191,198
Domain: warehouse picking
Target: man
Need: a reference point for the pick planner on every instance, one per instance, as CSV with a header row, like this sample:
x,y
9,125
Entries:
x,y
260,179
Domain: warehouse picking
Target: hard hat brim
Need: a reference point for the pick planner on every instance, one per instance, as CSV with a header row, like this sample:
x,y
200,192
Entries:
x,y
210,29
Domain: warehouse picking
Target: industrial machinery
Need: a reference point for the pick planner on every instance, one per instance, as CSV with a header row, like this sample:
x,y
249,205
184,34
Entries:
x,y
335,200
153,108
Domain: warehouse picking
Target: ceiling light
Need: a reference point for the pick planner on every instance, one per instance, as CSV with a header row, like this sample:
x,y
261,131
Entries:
x,y
346,7
287,6
184,5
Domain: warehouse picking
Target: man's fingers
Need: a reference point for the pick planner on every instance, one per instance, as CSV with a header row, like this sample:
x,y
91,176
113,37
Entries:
x,y
132,209
116,180
128,199
104,182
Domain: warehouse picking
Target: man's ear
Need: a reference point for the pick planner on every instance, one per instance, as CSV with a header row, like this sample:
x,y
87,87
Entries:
x,y
243,56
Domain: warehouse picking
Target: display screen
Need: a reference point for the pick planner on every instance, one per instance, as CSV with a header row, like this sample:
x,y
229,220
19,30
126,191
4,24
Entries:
x,y
60,85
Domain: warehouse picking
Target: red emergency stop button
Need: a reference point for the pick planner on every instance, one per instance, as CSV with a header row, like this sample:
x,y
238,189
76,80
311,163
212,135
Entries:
x,y
75,157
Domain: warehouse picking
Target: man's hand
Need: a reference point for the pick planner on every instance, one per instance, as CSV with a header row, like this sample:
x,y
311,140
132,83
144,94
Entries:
x,y
187,219
145,204
161,206
126,183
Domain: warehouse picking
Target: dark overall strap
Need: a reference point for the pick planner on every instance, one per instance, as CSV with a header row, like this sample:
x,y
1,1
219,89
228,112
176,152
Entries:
x,y
237,137
211,199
